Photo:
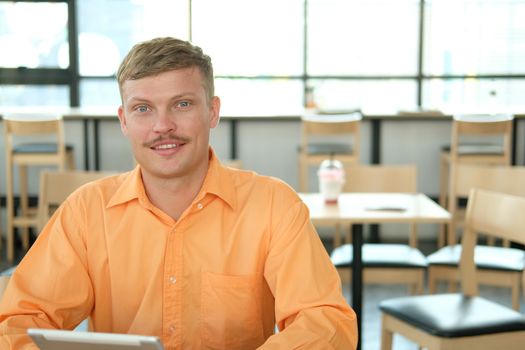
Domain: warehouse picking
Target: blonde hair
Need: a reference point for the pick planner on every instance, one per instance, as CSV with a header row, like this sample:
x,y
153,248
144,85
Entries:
x,y
161,55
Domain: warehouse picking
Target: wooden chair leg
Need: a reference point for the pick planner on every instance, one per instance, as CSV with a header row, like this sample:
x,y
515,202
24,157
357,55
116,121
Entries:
x,y
420,285
443,190
417,286
451,232
432,283
515,290
303,175
10,208
386,337
348,229
24,204
70,161
452,286
337,236
413,289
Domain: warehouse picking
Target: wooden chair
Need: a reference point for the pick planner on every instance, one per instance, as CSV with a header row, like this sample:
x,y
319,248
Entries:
x,y
475,139
385,263
56,186
4,280
499,266
464,321
5,276
30,140
232,163
325,135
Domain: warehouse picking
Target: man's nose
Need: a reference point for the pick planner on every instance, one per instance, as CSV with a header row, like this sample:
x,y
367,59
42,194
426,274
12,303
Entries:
x,y
164,122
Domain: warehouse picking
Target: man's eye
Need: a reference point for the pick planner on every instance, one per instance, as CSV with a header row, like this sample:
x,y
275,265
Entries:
x,y
184,104
142,108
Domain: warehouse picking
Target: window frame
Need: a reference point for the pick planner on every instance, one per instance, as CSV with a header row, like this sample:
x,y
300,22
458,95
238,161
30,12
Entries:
x,y
72,78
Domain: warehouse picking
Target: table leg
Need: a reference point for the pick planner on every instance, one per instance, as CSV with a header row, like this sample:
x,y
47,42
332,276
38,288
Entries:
x,y
514,139
375,143
96,145
233,139
375,151
357,277
85,125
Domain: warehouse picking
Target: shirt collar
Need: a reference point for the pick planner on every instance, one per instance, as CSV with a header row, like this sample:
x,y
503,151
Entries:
x,y
218,182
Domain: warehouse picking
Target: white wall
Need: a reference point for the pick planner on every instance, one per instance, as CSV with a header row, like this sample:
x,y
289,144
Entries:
x,y
270,148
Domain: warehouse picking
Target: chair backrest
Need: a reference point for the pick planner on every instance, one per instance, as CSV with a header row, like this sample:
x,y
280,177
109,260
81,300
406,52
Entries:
x,y
56,186
499,178
506,179
331,125
29,127
492,213
327,135
468,125
381,178
384,178
33,124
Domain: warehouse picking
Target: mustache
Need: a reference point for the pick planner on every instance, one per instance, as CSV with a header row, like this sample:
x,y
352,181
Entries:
x,y
181,139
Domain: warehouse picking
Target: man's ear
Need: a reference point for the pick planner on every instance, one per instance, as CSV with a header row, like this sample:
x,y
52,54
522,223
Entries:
x,y
215,110
122,119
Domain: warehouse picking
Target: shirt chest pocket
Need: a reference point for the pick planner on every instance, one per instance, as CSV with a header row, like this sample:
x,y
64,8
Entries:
x,y
231,311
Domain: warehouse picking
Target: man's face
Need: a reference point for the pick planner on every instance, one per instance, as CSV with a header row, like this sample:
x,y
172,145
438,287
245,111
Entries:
x,y
168,120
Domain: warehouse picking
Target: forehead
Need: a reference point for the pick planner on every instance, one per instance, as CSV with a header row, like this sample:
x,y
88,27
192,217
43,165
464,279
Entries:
x,y
173,82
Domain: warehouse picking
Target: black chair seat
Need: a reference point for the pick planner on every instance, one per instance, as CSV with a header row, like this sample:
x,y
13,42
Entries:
x,y
454,315
477,149
328,148
380,255
38,148
486,257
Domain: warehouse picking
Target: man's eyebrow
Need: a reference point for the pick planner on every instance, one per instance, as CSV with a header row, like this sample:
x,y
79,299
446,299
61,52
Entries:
x,y
140,99
183,95
137,99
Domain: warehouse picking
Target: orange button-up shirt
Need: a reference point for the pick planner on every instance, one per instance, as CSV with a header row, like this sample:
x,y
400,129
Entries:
x,y
242,258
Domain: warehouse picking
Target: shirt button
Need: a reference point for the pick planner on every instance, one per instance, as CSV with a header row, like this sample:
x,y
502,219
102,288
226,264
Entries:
x,y
199,206
172,279
172,329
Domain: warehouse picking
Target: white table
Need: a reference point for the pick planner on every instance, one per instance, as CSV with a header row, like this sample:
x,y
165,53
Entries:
x,y
371,208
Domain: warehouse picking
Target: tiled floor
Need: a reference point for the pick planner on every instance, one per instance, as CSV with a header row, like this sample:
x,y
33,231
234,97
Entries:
x,y
373,294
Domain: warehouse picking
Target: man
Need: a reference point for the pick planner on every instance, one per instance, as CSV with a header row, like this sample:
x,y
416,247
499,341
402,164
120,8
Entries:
x,y
181,247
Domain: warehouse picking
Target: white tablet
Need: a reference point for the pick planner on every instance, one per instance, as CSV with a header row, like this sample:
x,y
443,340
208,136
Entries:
x,y
50,339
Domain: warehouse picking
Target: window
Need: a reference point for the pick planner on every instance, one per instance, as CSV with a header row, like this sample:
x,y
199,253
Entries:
x,y
475,37
35,33
107,29
372,54
33,37
362,38
474,54
257,51
34,95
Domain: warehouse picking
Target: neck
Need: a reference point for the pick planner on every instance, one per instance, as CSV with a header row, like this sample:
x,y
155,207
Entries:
x,y
173,195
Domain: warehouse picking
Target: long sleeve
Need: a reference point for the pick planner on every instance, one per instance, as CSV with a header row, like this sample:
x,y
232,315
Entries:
x,y
243,257
311,312
50,288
